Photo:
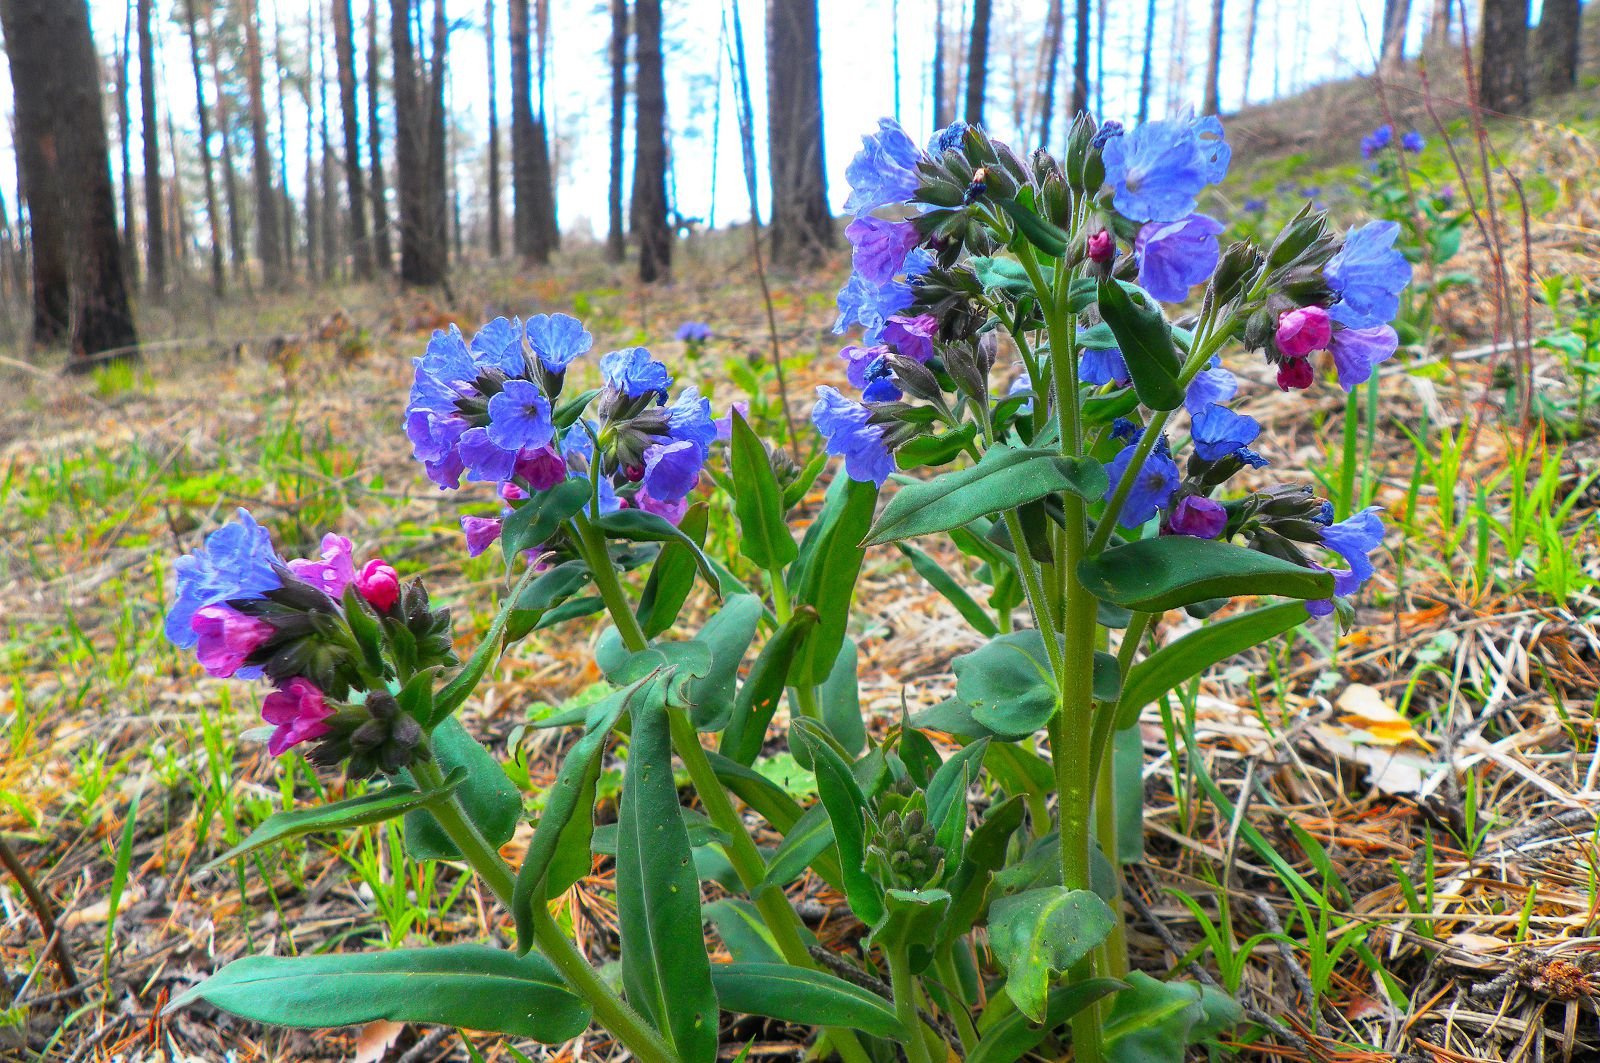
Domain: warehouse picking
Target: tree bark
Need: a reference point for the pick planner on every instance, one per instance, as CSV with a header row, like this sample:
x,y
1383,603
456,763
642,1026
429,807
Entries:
x,y
63,164
1055,28
233,203
1146,72
1211,102
616,239
977,61
1080,60
549,229
285,200
650,223
802,227
419,149
219,276
941,108
1557,45
524,164
1254,12
1503,52
382,248
1392,49
130,226
1439,23
354,179
332,253
268,234
155,229
494,131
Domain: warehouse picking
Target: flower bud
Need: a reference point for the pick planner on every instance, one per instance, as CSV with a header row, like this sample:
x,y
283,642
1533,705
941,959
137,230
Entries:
x,y
903,854
1295,374
1303,330
1236,271
379,584
1101,247
1197,516
915,379
1084,170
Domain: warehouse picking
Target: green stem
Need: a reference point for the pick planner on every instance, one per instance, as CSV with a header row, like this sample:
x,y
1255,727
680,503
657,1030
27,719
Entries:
x,y
954,1004
904,987
1347,466
615,1015
1114,951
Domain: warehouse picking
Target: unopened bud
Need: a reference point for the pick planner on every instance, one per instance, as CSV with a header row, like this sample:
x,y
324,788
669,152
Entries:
x,y
1295,374
1102,247
1303,330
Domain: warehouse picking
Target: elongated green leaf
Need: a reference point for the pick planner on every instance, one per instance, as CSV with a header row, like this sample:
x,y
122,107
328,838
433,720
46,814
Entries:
x,y
804,842
372,807
1182,659
473,986
1154,575
549,590
1127,788
672,576
1004,478
665,970
1145,340
1014,1035
1047,237
639,526
759,695
758,502
843,799
1155,1022
566,415
800,995
934,449
727,635
825,575
796,491
769,799
742,928
537,519
947,798
1039,931
984,854
841,702
941,580
489,799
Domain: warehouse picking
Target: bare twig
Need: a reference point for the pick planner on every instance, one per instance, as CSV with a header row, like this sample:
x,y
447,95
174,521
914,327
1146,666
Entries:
x,y
42,912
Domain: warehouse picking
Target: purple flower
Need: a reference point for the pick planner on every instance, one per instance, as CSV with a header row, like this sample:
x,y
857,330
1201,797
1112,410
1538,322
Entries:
x,y
519,417
543,468
880,247
225,637
1103,366
578,443
299,712
1376,141
1214,148
1157,170
236,562
694,332
1175,256
870,305
1356,350
725,424
1353,539
634,373
1213,384
330,573
557,339
867,369
1197,516
671,512
378,583
1153,485
884,171
911,337
1303,330
435,441
1255,206
1295,374
1218,432
849,434
481,533
689,419
1413,142
1368,274
671,470
485,460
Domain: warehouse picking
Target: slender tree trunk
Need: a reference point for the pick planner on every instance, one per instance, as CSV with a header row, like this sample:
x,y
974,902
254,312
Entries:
x,y
524,164
494,131
382,249
1254,12
219,276
1439,23
1503,51
130,226
1080,59
977,61
313,195
941,108
1100,79
155,229
332,253
1147,62
354,179
802,227
232,201
285,200
438,145
1055,28
1392,48
616,240
268,234
1211,101
549,230
419,151
1557,46
62,160
650,223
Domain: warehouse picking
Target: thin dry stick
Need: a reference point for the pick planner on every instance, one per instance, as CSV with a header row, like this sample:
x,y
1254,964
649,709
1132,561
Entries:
x,y
41,911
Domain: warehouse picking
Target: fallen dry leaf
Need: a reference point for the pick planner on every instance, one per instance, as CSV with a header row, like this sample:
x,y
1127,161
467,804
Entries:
x,y
1362,708
375,1040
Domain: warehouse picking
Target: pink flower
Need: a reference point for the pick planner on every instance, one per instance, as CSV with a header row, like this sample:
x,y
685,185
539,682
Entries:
x,y
1303,330
1102,247
725,424
298,712
226,638
333,571
378,583
1295,374
672,512
543,468
481,533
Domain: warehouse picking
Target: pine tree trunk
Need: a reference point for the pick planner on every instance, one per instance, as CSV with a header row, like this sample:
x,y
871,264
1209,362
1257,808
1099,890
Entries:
x,y
941,108
382,248
354,179
494,132
130,225
1557,46
219,276
549,230
419,152
977,61
285,200
1392,49
649,207
1211,102
524,163
616,239
802,227
1503,63
1050,59
233,204
268,234
1080,60
1249,51
1439,23
332,253
155,229
1146,72
63,164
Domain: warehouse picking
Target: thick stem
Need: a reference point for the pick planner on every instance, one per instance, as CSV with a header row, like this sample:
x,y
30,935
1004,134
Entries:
x,y
956,1006
905,1005
1347,465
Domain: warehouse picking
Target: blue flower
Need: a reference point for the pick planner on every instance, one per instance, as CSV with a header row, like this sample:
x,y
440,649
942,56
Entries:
x,y
1353,539
1218,432
634,373
557,339
1211,384
1376,141
1158,169
578,443
671,470
911,337
519,417
884,171
1413,142
871,305
1368,275
1175,256
868,369
1213,147
1255,206
1103,366
236,562
1356,350
947,139
694,332
485,460
845,425
880,247
498,345
1153,485
689,420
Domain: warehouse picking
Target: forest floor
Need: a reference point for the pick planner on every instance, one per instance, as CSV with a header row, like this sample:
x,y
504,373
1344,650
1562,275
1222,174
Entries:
x,y
1433,776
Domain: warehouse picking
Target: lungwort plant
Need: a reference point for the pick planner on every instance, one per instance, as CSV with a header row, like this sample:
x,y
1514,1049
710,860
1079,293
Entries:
x,y
1042,344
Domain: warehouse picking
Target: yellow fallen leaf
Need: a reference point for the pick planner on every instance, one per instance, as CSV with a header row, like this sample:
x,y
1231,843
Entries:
x,y
1362,708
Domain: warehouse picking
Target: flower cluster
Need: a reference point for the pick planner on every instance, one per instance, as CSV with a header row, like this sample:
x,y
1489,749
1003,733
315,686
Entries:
x,y
1377,141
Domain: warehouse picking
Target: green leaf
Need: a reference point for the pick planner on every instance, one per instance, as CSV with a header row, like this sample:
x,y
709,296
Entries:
x,y
758,697
1040,931
825,575
489,799
910,921
809,838
566,415
942,581
1155,1022
758,501
538,518
372,807
474,986
840,696
1004,478
947,798
984,854
1008,682
1003,274
1014,1036
727,635
1145,339
665,970
639,526
928,450
1127,787
743,929
1049,238
550,589
796,491
842,797
803,996
1154,575
1182,659
672,576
